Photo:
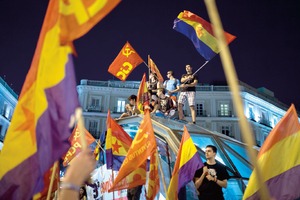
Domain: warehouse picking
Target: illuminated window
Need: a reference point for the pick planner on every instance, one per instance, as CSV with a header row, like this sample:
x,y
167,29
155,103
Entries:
x,y
251,112
224,109
121,105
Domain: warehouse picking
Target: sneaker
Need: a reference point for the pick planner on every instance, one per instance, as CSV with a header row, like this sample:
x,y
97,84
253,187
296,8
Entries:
x,y
192,122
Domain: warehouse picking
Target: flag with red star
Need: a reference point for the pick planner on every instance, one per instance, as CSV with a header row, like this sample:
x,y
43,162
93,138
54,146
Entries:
x,y
143,146
117,144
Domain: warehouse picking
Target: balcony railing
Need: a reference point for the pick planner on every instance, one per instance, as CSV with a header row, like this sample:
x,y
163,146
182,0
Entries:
x,y
201,113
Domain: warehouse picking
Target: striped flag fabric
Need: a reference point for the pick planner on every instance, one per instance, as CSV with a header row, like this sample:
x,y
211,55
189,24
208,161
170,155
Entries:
x,y
40,127
117,144
143,146
279,159
187,162
200,33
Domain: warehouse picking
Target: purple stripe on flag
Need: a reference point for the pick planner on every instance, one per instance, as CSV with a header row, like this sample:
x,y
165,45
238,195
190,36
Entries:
x,y
53,126
186,172
283,186
52,133
109,158
112,161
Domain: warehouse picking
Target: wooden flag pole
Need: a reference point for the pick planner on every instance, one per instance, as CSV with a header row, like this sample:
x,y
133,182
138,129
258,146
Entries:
x,y
232,81
162,173
79,118
52,180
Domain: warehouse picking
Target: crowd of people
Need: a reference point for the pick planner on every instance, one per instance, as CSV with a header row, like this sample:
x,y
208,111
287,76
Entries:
x,y
168,98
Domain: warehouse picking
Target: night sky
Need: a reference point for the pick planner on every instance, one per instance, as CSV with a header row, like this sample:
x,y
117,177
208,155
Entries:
x,y
266,52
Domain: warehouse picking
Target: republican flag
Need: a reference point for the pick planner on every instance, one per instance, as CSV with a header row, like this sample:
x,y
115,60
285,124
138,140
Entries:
x,y
40,127
117,144
187,162
76,145
126,61
279,160
143,146
75,22
154,69
143,95
200,33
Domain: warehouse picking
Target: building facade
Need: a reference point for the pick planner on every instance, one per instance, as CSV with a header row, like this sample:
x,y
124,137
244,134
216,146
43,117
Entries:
x,y
214,107
8,102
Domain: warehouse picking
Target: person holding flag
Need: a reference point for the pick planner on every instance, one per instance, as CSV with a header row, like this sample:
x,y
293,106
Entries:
x,y
188,92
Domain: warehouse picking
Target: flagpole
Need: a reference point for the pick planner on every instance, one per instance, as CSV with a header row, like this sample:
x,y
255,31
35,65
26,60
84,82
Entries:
x,y
197,70
79,118
231,77
52,180
162,173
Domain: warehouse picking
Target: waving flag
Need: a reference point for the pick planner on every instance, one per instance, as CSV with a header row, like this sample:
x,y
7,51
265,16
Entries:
x,y
143,146
142,95
279,159
200,33
75,22
154,69
153,180
187,162
40,127
117,145
76,146
125,62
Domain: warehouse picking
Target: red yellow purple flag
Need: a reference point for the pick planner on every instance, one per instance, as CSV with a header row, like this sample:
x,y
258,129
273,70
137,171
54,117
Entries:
x,y
40,127
117,145
200,33
80,16
187,162
126,61
143,146
76,146
154,69
142,95
279,159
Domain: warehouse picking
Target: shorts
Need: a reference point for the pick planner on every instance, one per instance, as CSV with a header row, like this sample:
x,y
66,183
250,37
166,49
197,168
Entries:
x,y
188,95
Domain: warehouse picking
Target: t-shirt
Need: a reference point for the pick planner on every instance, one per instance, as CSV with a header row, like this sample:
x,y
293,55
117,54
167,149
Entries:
x,y
171,85
189,82
210,189
164,104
